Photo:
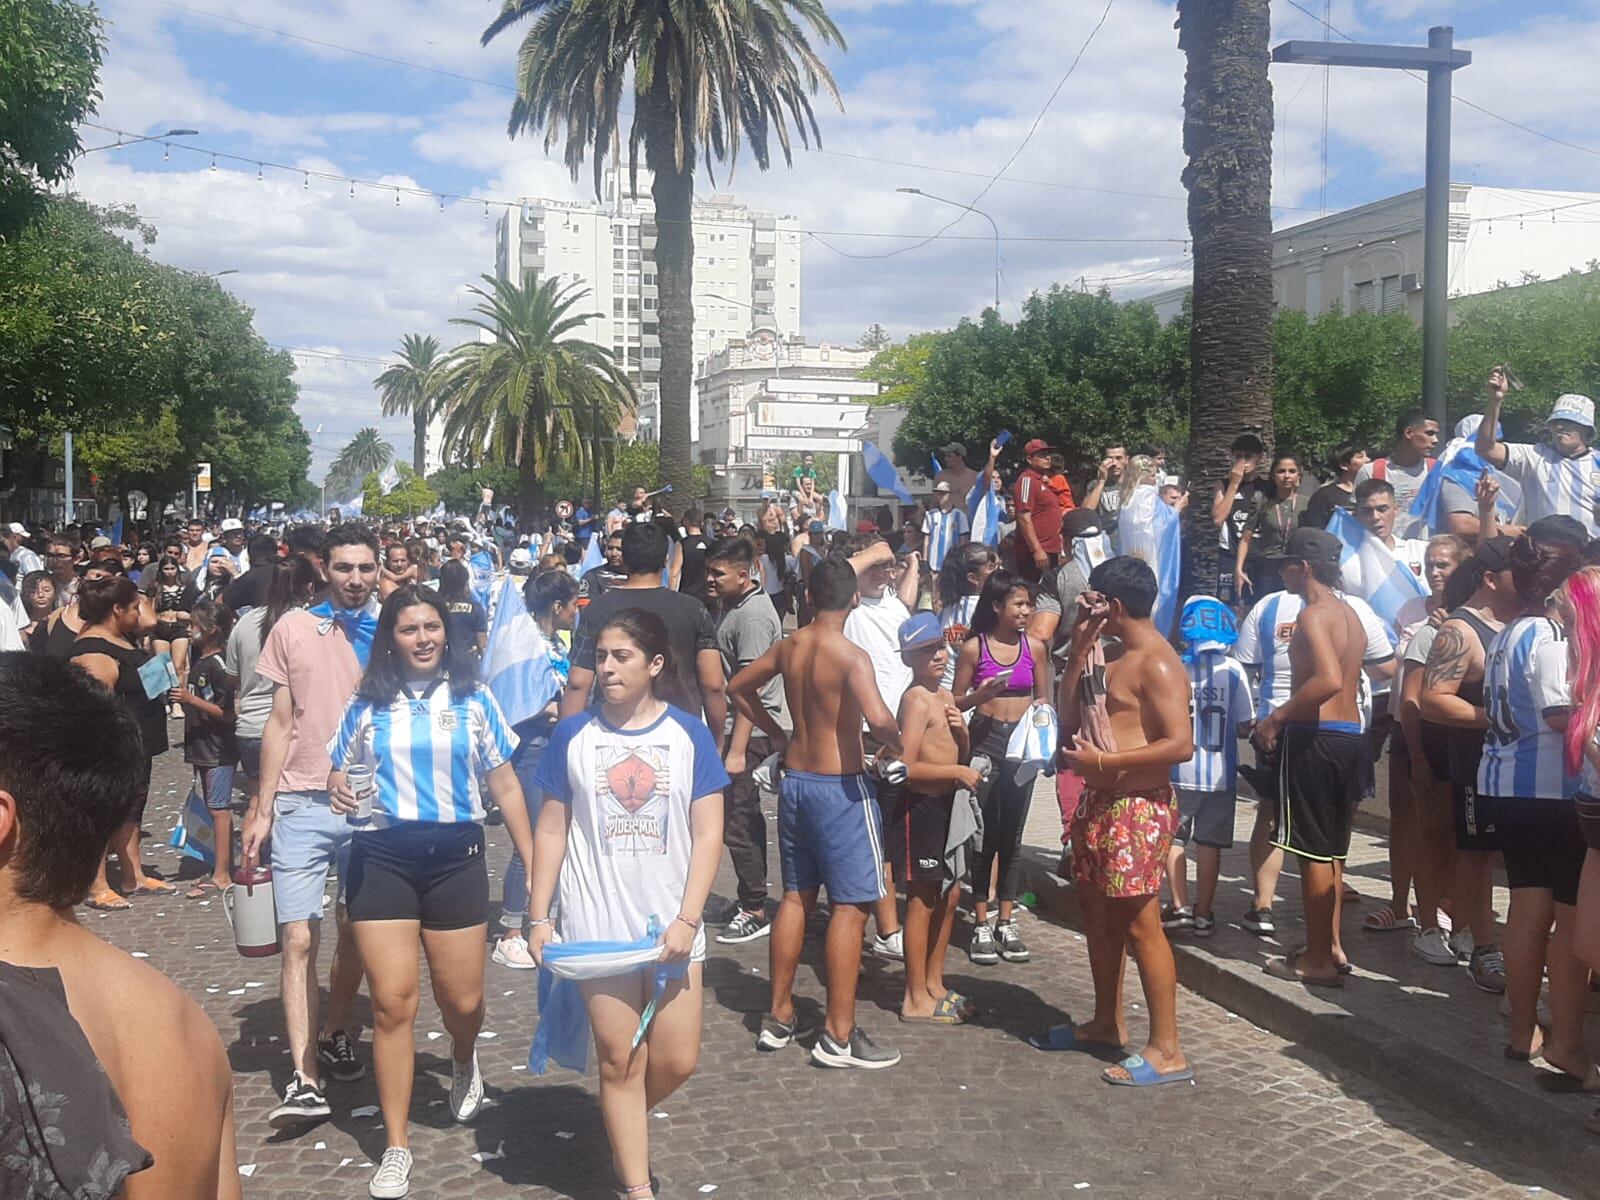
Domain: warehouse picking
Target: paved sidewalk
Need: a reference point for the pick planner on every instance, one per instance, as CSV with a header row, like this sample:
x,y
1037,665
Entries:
x,y
970,1112
1424,1031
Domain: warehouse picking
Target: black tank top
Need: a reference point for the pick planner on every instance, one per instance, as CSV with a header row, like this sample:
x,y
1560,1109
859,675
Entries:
x,y
150,714
53,641
1466,745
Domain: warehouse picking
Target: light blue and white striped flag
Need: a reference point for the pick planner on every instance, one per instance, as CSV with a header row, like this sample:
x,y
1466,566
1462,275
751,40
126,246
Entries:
x,y
390,479
881,471
1033,742
986,515
1149,528
592,557
1368,570
516,661
838,512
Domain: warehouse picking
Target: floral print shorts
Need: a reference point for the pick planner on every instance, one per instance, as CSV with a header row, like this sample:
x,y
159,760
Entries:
x,y
1120,841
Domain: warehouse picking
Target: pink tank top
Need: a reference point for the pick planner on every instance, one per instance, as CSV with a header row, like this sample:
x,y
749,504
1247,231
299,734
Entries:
x,y
1021,681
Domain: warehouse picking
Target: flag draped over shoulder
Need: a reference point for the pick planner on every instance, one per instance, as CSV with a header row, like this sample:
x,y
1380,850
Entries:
x,y
1460,465
881,471
592,557
1149,528
984,515
838,512
517,666
1368,570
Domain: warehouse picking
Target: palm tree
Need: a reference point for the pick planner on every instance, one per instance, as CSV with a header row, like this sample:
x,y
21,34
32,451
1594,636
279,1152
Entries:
x,y
532,396
410,386
705,76
362,455
1227,133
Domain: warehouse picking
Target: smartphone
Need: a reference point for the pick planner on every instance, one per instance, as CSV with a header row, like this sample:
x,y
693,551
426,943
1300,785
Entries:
x,y
1513,384
1002,437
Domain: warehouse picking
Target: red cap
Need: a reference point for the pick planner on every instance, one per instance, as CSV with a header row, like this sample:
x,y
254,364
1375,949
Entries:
x,y
866,527
1037,446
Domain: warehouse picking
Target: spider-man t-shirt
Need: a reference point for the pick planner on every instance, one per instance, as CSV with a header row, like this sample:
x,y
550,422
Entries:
x,y
629,842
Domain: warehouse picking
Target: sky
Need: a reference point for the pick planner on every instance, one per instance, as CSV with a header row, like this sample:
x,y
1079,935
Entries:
x,y
936,94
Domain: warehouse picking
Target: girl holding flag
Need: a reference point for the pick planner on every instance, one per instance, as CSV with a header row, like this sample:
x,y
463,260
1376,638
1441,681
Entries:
x,y
631,828
427,730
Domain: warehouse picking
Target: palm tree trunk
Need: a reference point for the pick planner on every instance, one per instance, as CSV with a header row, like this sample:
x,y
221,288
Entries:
x,y
673,190
530,492
1227,133
419,439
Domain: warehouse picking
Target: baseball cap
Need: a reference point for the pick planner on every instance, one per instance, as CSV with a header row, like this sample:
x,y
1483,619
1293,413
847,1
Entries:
x,y
1559,528
231,525
521,557
866,526
16,528
1314,546
1493,554
100,543
816,527
1573,407
1037,446
942,486
954,448
920,631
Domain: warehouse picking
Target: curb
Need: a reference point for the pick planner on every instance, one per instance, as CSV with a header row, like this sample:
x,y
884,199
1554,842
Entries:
x,y
1481,1104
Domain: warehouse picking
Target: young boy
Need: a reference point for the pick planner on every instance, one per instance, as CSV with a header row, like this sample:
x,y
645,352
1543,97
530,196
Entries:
x,y
1221,710
209,746
914,837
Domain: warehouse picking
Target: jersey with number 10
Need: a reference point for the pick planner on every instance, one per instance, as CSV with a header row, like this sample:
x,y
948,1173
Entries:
x,y
1524,681
1219,702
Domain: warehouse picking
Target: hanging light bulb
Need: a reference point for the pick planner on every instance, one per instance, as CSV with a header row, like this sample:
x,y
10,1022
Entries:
x,y
213,164
259,175
397,197
166,154
305,184
352,189
485,210
441,203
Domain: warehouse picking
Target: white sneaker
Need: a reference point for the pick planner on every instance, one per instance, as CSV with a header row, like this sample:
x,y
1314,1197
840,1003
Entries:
x,y
466,1089
513,952
392,1179
1463,943
893,946
1430,946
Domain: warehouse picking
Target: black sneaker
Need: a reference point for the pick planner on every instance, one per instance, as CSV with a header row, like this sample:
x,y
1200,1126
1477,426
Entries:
x,y
1259,922
337,1054
745,927
1012,947
1175,919
775,1035
302,1102
860,1052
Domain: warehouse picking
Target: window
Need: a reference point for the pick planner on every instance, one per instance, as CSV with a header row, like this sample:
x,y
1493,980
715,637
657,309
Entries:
x,y
649,303
649,279
1366,297
1391,298
633,309
616,307
616,281
651,329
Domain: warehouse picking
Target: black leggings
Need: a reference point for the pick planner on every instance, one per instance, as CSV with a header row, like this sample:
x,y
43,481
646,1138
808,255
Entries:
x,y
1004,803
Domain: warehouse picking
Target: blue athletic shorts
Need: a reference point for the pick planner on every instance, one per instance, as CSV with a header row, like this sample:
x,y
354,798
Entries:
x,y
830,834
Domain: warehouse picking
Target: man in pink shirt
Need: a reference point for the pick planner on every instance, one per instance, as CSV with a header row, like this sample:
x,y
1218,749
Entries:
x,y
314,657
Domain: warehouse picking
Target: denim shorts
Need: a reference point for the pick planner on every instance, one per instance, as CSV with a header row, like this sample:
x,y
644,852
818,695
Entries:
x,y
308,837
830,834
215,785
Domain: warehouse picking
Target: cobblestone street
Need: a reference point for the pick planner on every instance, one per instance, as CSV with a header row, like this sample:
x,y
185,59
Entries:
x,y
971,1111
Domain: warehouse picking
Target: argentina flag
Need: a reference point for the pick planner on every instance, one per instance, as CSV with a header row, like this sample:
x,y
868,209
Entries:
x,y
516,662
985,515
838,513
1149,528
1368,570
592,557
881,471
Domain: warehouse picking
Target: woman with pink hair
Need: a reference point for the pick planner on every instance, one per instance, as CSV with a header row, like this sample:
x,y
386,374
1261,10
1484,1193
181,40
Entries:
x,y
1583,752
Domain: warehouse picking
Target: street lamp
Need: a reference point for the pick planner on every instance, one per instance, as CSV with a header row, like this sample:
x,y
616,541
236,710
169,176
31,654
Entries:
x,y
220,274
153,137
911,191
1440,59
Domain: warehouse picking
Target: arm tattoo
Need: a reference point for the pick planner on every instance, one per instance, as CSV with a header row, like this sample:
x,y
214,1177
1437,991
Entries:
x,y
1447,661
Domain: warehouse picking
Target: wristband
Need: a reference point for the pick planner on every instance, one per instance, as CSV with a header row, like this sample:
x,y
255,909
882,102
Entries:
x,y
532,925
694,925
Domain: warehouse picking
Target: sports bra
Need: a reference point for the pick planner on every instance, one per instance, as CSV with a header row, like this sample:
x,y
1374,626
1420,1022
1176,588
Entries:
x,y
1021,681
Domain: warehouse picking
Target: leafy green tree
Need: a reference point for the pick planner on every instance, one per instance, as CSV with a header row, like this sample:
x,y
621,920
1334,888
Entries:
x,y
535,395
411,387
49,84
459,486
876,338
705,78
900,369
827,468
362,455
410,496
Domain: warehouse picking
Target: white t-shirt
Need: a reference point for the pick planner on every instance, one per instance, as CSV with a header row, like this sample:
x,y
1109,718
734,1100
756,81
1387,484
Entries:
x,y
1264,638
1552,485
629,843
1407,482
1413,553
874,625
10,634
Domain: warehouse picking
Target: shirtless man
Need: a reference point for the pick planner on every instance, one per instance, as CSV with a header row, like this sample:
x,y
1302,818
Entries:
x,y
398,569
68,756
1323,745
1131,718
937,750
829,830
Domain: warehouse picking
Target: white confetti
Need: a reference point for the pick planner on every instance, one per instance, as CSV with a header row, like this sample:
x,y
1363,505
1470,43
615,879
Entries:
x,y
140,954
366,1110
963,1087
320,1146
484,1156
488,1035
345,1162
205,904
252,983
1078,1187
660,1116
213,990
520,1067
512,992
247,1170
235,991
435,1036
707,1188
565,1135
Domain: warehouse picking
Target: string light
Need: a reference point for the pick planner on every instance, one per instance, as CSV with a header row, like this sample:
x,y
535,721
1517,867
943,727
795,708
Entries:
x,y
213,164
397,197
259,176
352,189
166,155
305,185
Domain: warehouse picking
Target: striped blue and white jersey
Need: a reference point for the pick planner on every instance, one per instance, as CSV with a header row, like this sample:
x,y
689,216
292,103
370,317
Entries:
x,y
1219,702
427,750
944,532
1553,485
1264,638
1525,680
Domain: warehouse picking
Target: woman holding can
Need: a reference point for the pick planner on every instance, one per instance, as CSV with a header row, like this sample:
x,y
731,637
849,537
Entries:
x,y
427,730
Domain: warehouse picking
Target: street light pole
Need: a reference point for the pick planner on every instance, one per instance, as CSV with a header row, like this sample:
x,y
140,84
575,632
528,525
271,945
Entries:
x,y
911,191
1440,59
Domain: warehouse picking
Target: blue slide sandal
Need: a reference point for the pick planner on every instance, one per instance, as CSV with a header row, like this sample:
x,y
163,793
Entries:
x,y
1142,1074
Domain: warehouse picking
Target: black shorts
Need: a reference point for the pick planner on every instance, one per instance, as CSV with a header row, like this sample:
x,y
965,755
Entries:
x,y
1541,842
420,871
1436,749
1319,786
1474,826
914,834
250,757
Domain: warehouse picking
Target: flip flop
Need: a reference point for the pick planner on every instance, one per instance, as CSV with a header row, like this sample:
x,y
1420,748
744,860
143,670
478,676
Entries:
x,y
1283,968
1564,1084
963,1004
201,889
1063,1037
1143,1074
101,904
155,887
944,1013
1386,920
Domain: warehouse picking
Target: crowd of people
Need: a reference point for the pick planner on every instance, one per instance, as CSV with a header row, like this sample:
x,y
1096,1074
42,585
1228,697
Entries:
x,y
898,685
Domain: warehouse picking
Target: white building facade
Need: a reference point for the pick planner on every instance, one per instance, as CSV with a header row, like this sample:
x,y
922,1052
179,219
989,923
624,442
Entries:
x,y
746,272
1369,259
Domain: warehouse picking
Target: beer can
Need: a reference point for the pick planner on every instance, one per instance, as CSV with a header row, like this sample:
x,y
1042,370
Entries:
x,y
362,784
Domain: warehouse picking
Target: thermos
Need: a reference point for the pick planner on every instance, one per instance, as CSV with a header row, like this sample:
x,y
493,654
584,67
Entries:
x,y
249,908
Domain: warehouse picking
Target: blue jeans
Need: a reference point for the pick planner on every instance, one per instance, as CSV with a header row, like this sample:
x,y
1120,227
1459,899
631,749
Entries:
x,y
514,897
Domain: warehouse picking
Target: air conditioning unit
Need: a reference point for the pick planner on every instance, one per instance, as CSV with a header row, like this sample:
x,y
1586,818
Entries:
x,y
1411,283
